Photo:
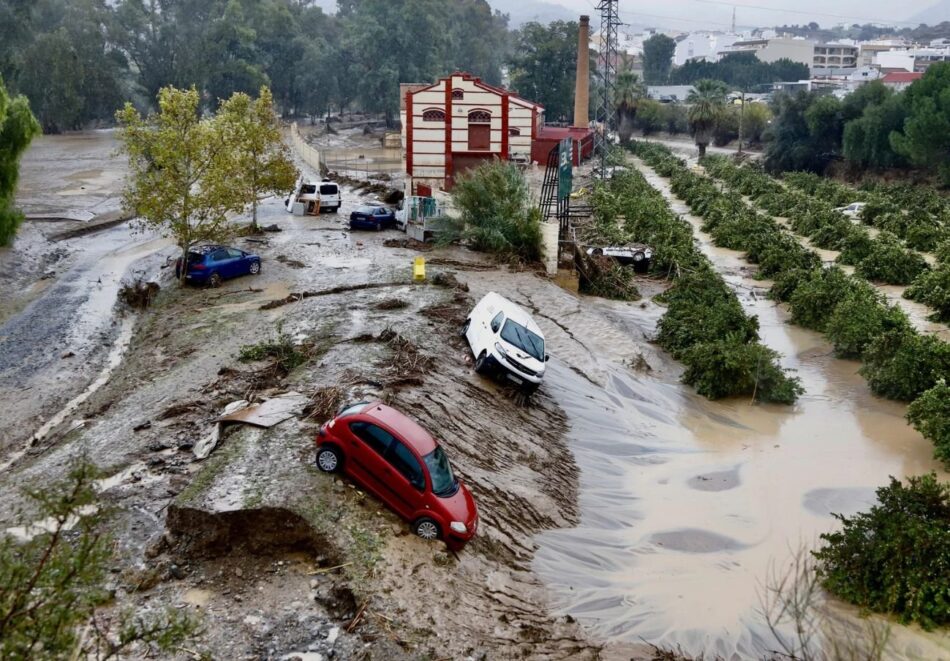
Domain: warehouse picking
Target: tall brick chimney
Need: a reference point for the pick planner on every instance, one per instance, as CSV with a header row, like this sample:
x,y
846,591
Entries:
x,y
582,82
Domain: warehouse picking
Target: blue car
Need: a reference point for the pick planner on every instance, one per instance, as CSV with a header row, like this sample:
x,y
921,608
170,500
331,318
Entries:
x,y
372,218
212,265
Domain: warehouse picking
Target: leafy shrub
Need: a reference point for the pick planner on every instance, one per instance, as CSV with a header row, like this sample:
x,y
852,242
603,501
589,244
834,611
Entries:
x,y
285,354
495,213
930,415
902,364
932,288
860,318
787,282
701,308
894,558
604,277
923,234
730,367
816,298
890,262
856,247
943,251
650,116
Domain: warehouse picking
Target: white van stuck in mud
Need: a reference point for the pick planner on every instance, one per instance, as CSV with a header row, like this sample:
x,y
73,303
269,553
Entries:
x,y
505,339
310,197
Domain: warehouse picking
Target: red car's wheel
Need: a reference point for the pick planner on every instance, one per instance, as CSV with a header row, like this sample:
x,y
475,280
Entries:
x,y
427,529
329,459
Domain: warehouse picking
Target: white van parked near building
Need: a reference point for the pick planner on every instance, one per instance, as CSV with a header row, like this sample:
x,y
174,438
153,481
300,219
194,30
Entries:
x,y
505,339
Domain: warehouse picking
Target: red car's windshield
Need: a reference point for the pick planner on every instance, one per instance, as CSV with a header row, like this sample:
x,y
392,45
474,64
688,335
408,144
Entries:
x,y
443,481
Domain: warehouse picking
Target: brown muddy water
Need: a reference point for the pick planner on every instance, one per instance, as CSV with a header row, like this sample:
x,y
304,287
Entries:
x,y
687,505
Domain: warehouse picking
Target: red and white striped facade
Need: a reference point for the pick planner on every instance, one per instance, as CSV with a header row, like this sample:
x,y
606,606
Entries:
x,y
459,121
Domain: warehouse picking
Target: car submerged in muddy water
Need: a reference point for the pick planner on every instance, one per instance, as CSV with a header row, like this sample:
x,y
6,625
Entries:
x,y
400,463
505,340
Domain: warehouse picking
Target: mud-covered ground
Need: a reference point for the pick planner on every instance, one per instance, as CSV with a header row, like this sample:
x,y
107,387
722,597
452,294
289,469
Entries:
x,y
616,505
276,557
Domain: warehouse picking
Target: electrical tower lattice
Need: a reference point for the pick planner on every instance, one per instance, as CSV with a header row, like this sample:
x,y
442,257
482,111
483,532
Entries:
x,y
607,63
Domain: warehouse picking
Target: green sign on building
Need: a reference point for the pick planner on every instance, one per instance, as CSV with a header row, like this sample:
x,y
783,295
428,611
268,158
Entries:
x,y
565,172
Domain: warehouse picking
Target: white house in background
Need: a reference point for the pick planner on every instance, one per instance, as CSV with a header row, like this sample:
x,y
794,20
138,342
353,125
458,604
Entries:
x,y
912,59
459,122
702,46
901,80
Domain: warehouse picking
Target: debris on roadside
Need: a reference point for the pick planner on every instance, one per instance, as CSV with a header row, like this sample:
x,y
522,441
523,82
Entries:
x,y
272,228
323,404
266,414
391,304
139,295
292,263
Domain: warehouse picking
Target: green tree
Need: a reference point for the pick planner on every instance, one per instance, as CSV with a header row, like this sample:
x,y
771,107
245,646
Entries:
x,y
496,215
650,117
52,581
825,126
544,64
231,54
658,59
866,142
262,162
925,140
18,127
930,415
755,121
707,104
790,144
628,92
744,71
181,170
895,557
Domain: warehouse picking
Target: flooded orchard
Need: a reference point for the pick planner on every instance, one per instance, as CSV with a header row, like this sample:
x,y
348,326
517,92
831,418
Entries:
x,y
618,497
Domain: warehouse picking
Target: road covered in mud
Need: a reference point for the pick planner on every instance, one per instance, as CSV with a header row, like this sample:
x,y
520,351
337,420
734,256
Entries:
x,y
617,506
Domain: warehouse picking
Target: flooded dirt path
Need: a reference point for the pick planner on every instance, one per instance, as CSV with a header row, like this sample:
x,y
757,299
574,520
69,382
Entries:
x,y
59,335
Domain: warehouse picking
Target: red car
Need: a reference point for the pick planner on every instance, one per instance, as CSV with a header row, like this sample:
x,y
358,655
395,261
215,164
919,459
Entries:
x,y
401,464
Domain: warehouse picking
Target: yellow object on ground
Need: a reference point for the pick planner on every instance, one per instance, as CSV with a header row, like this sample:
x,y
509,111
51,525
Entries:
x,y
419,268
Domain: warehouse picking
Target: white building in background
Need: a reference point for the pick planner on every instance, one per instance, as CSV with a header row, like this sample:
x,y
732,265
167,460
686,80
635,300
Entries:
x,y
771,50
703,46
836,56
912,59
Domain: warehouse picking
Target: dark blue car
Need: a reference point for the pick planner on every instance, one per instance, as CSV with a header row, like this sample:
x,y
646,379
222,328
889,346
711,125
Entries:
x,y
212,265
372,218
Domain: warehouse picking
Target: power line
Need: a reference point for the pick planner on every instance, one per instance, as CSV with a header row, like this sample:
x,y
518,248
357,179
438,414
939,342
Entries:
x,y
804,13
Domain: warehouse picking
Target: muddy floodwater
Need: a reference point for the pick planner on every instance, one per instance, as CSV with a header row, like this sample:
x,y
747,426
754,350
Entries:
x,y
687,505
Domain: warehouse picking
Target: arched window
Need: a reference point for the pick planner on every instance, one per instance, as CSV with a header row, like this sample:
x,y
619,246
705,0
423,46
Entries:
x,y
514,131
479,117
433,115
457,94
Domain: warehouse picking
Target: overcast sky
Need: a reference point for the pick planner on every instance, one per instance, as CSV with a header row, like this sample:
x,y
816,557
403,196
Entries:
x,y
695,14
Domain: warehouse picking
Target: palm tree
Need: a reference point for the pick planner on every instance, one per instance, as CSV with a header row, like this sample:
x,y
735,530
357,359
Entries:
x,y
628,90
708,101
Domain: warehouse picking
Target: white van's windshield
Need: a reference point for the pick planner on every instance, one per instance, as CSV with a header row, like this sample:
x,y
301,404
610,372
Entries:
x,y
520,337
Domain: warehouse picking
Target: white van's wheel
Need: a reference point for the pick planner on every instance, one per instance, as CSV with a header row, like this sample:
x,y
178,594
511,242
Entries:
x,y
481,363
464,330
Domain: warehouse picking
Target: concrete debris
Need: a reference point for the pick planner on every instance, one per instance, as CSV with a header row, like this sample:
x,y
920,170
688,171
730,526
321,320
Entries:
x,y
266,414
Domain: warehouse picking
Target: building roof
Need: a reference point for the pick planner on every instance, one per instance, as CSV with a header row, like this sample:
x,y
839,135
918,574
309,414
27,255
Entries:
x,y
478,83
902,76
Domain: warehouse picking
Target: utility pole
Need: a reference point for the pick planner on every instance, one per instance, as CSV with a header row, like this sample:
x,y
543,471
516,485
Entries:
x,y
741,120
607,62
